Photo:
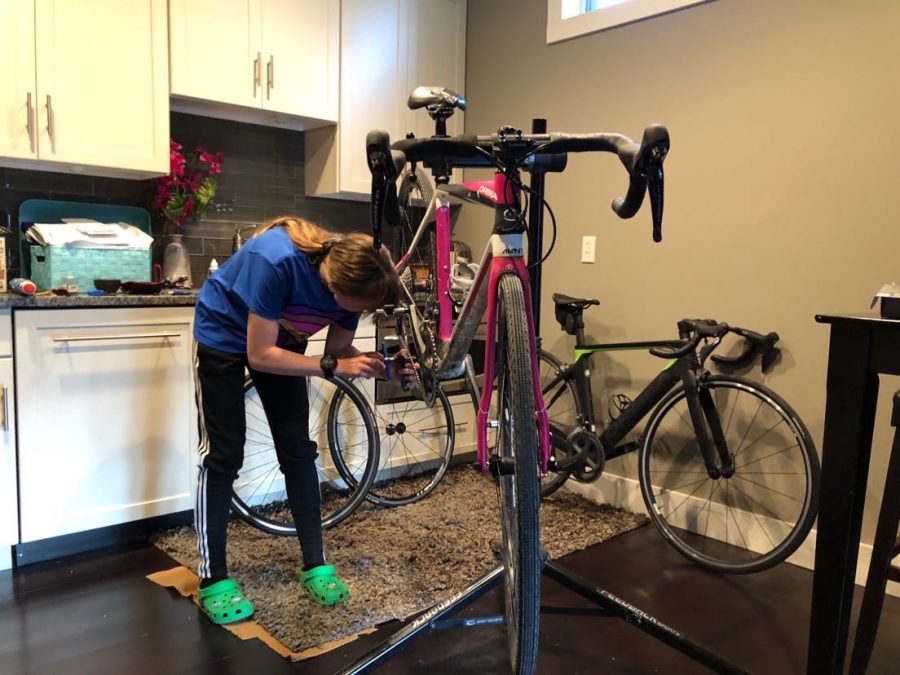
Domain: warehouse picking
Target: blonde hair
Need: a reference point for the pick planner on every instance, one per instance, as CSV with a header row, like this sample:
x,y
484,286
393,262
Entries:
x,y
355,268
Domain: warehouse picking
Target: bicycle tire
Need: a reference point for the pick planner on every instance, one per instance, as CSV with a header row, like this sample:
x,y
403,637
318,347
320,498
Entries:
x,y
258,495
408,469
414,196
564,411
752,520
517,447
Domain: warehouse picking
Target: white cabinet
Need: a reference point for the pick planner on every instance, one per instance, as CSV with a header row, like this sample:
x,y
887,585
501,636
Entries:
x,y
388,48
88,86
9,523
18,96
107,424
267,61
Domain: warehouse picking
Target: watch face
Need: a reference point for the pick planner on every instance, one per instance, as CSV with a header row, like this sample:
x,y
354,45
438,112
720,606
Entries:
x,y
328,363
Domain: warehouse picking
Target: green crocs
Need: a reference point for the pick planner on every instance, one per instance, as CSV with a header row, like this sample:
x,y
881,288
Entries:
x,y
324,586
224,603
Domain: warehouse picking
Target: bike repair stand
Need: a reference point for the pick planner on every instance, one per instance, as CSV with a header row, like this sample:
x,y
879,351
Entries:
x,y
607,603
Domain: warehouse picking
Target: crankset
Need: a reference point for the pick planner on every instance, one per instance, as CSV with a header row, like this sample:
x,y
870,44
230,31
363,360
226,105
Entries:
x,y
592,458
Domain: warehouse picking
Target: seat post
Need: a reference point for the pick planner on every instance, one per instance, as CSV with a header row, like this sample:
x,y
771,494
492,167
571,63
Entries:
x,y
579,329
885,547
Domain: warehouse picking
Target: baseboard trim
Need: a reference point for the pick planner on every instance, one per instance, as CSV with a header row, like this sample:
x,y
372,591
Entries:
x,y
625,493
90,540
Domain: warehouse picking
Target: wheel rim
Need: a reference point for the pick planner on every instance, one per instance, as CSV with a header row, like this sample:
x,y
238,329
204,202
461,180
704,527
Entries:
x,y
510,517
416,444
519,495
745,522
259,495
562,411
415,196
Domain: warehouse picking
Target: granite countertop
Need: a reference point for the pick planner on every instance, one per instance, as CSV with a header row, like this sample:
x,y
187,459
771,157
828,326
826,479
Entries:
x,y
49,301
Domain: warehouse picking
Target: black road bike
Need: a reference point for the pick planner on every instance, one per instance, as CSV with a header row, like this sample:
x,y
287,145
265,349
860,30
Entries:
x,y
727,469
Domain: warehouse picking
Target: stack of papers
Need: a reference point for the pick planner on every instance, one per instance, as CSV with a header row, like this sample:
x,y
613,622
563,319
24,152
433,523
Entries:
x,y
74,232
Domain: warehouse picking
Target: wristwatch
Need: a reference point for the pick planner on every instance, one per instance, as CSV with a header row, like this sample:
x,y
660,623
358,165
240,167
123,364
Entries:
x,y
328,363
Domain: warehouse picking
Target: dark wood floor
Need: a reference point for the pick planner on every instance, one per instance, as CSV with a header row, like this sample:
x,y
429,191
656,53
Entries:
x,y
97,613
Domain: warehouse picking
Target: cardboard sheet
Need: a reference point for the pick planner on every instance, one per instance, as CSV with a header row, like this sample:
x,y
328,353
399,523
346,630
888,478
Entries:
x,y
187,584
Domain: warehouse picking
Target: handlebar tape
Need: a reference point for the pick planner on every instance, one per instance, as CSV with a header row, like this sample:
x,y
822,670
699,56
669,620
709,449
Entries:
x,y
642,161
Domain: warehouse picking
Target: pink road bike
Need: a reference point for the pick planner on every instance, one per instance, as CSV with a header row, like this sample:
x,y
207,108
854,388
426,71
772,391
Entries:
x,y
438,327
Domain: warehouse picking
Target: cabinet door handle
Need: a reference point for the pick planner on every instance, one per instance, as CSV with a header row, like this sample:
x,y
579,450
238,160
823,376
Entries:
x,y
30,122
50,124
128,336
5,409
270,76
257,72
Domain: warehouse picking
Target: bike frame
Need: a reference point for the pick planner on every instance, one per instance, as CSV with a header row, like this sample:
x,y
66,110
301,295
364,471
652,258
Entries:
x,y
687,369
504,254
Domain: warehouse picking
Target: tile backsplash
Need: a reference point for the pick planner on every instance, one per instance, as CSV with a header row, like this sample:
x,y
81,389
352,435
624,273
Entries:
x,y
262,176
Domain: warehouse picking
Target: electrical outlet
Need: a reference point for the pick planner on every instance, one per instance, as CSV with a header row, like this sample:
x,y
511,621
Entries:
x,y
588,248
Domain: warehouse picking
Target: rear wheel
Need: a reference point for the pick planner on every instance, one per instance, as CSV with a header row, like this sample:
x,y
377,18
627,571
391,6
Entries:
x,y
564,411
752,519
259,496
517,459
414,197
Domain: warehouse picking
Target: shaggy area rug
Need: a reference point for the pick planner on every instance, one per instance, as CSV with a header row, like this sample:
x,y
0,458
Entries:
x,y
397,562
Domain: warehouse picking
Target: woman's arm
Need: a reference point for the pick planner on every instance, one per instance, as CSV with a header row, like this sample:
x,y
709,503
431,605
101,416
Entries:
x,y
263,354
339,342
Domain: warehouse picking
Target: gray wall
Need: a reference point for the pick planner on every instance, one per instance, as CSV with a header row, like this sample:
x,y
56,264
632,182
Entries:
x,y
780,183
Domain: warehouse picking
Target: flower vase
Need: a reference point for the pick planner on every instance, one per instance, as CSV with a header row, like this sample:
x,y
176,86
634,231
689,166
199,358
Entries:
x,y
176,263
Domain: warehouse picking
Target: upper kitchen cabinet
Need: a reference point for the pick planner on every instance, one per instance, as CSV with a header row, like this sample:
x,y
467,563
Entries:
x,y
88,90
266,61
388,48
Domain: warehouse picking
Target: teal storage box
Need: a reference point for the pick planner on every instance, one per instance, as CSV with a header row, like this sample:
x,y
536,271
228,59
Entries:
x,y
59,266
49,266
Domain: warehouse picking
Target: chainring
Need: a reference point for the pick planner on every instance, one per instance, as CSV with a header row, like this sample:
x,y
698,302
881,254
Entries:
x,y
428,363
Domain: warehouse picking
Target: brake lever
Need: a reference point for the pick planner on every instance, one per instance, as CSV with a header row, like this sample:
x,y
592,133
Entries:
x,y
654,148
754,344
378,195
383,170
655,190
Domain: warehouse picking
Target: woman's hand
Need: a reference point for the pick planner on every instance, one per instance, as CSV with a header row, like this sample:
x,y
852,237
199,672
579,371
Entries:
x,y
405,376
369,364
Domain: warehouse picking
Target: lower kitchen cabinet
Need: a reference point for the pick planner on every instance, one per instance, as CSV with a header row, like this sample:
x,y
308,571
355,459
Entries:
x,y
9,522
107,425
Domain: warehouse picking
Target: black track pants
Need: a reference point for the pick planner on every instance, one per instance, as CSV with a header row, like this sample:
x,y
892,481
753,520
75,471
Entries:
x,y
220,403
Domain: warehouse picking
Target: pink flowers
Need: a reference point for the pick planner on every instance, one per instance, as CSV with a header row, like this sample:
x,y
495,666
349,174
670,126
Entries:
x,y
186,192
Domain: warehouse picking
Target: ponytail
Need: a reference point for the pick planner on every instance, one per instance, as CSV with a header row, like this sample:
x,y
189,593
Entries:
x,y
355,268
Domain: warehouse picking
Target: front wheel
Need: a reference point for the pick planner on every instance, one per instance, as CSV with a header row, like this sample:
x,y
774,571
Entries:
x,y
416,445
518,480
747,521
259,496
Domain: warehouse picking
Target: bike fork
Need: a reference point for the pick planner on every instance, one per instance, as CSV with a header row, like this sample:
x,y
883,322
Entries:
x,y
706,422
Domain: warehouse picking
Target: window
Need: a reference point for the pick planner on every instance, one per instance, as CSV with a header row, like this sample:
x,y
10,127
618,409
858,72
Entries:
x,y
570,18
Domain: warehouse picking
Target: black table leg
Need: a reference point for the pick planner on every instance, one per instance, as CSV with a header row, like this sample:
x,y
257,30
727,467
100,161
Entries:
x,y
883,550
852,391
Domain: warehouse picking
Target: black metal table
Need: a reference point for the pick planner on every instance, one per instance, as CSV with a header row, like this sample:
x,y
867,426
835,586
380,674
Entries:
x,y
862,347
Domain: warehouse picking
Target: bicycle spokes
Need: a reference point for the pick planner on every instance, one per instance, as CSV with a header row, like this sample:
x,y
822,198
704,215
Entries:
x,y
759,508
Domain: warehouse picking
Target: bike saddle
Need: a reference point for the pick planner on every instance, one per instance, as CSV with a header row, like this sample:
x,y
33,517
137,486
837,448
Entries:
x,y
423,97
572,303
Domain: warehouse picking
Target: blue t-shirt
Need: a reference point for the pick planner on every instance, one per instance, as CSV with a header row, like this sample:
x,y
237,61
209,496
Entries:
x,y
271,277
